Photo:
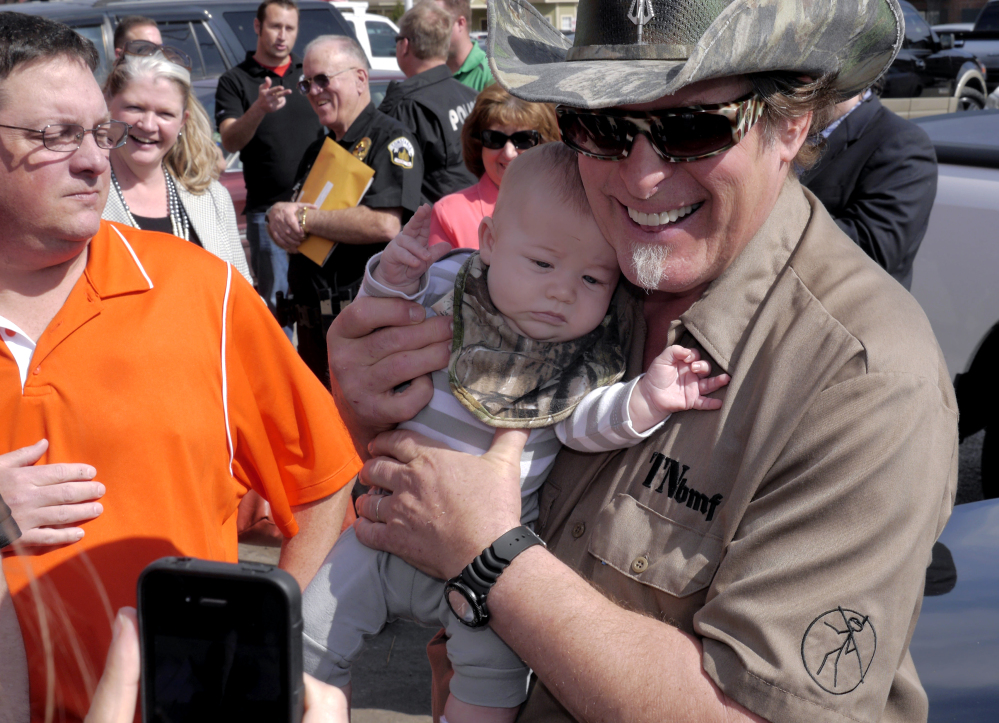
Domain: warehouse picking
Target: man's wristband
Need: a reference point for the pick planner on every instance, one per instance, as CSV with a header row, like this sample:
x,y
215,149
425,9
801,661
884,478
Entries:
x,y
466,594
300,215
9,531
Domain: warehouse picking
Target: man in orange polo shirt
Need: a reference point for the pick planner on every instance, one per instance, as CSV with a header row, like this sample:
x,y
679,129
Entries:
x,y
159,379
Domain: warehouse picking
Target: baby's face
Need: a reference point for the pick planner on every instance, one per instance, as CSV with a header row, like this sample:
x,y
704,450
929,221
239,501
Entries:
x,y
551,273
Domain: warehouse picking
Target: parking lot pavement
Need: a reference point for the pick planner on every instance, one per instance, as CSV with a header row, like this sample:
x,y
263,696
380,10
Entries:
x,y
392,677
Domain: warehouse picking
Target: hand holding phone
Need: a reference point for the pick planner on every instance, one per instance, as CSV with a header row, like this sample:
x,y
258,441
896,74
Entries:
x,y
220,641
117,691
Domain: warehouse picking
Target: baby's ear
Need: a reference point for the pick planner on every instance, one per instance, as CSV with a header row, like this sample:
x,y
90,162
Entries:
x,y
487,239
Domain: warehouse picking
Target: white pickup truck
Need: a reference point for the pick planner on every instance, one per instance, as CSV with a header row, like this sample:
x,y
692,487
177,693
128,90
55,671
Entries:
x,y
375,33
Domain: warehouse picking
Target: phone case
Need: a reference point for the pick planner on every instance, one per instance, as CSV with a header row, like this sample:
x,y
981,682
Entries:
x,y
253,572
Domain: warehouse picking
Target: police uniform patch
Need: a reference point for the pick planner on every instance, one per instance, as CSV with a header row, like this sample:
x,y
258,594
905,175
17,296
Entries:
x,y
402,152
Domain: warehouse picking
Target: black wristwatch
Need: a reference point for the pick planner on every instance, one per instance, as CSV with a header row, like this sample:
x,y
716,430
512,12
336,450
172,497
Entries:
x,y
9,531
466,594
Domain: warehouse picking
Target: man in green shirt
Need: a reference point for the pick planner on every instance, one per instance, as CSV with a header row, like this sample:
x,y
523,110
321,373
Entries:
x,y
465,58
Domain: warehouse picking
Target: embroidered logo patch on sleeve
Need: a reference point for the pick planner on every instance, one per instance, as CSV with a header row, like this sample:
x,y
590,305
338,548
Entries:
x,y
838,649
402,152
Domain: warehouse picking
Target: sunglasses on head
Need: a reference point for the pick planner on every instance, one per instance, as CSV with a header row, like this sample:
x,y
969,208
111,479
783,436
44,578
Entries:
x,y
677,134
144,48
321,80
521,140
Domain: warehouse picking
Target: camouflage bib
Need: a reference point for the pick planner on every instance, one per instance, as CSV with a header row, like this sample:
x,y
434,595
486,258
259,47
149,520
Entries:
x,y
507,380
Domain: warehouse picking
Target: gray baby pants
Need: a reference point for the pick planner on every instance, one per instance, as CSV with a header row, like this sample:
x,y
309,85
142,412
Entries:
x,y
358,590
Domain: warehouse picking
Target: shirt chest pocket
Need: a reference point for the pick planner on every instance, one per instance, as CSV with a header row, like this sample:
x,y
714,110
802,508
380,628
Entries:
x,y
654,550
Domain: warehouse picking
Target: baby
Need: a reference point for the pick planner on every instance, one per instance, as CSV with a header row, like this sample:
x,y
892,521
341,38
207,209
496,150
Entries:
x,y
541,329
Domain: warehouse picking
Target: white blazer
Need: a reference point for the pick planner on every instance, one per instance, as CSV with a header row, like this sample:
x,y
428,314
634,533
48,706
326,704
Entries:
x,y
212,216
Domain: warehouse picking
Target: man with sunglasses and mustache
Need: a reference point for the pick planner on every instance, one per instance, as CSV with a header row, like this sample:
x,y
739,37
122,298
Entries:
x,y
832,460
335,81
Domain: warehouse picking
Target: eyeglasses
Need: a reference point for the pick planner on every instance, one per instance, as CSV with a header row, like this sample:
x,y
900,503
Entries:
x,y
521,140
400,37
321,80
677,134
144,48
68,137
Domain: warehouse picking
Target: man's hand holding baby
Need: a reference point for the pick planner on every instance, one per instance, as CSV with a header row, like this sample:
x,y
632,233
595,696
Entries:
x,y
407,257
676,381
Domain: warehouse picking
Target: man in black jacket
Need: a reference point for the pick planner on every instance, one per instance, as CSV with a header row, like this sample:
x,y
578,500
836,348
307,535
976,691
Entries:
x,y
878,179
430,101
259,115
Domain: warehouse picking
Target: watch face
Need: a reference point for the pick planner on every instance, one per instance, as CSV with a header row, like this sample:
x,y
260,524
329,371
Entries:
x,y
460,606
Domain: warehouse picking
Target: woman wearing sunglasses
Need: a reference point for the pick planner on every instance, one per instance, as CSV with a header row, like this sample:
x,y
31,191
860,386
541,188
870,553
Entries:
x,y
165,176
499,128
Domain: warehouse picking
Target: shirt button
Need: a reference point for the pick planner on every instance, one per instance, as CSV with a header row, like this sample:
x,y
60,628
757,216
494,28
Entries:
x,y
578,529
38,370
9,332
640,564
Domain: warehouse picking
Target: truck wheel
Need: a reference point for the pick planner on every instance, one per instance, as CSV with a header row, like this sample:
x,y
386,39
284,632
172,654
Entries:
x,y
970,99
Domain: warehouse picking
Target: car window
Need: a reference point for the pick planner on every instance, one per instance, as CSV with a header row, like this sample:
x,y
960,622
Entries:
x,y
378,89
95,34
210,53
242,24
206,96
989,19
312,24
382,38
917,31
181,36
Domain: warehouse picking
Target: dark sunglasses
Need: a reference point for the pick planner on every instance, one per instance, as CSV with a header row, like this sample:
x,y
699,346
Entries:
x,y
144,48
321,80
521,140
677,134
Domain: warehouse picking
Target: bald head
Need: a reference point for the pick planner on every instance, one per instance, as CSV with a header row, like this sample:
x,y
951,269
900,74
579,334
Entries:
x,y
339,45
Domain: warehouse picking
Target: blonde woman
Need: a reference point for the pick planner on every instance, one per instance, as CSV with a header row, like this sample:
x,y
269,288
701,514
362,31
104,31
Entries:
x,y
165,177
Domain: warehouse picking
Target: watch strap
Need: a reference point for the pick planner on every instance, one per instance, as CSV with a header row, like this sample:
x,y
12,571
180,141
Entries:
x,y
9,531
482,572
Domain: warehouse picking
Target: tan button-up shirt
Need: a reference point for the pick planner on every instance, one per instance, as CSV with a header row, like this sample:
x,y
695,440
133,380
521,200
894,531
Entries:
x,y
791,529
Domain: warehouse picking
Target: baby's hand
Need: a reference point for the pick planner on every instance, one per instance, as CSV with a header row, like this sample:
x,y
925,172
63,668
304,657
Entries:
x,y
407,256
674,382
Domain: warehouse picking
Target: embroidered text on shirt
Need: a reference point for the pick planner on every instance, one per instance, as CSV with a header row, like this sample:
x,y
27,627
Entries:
x,y
675,481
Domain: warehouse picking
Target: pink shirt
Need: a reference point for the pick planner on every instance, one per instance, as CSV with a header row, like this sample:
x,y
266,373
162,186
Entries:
x,y
456,217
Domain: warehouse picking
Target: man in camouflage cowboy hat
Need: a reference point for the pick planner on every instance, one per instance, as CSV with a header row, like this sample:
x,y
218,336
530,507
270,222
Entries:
x,y
761,562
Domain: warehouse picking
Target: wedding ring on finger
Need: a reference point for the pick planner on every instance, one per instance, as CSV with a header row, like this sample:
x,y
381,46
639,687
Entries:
x,y
378,517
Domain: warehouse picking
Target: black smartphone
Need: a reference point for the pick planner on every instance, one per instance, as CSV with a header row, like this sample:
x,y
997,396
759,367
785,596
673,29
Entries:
x,y
220,641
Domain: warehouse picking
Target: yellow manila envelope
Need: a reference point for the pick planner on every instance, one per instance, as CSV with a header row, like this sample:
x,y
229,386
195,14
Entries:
x,y
337,180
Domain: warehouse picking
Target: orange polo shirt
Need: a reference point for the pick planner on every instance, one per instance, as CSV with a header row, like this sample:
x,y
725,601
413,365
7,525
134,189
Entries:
x,y
166,372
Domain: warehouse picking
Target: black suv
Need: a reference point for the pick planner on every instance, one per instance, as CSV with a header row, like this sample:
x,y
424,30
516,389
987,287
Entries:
x,y
930,75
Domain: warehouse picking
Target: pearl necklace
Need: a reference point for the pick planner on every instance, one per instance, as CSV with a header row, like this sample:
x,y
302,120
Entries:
x,y
178,216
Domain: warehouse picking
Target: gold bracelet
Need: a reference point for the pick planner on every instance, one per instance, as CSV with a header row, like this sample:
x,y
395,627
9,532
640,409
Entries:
x,y
301,219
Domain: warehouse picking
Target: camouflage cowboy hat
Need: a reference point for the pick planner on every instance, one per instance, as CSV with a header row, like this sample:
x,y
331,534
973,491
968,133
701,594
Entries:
x,y
635,51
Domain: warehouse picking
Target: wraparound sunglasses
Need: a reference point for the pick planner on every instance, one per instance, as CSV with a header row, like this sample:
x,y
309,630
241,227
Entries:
x,y
677,134
521,140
